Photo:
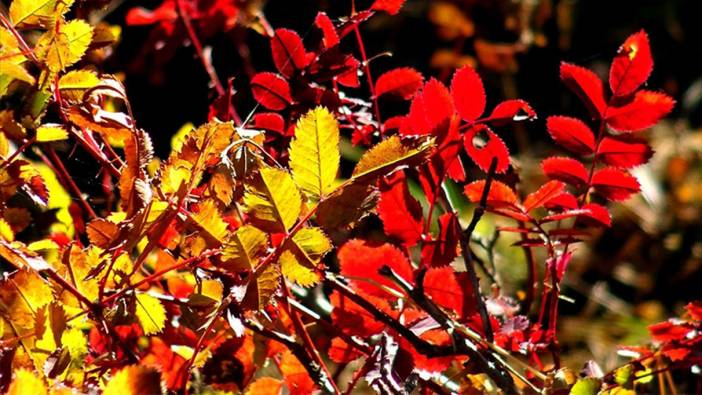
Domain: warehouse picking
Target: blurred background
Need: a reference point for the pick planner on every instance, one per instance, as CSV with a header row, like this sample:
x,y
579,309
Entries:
x,y
640,271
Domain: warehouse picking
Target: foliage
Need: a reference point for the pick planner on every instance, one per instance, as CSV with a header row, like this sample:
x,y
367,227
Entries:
x,y
206,270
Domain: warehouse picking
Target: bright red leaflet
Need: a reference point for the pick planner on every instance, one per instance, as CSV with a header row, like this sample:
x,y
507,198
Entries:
x,y
632,65
271,90
615,184
571,133
400,212
567,170
468,93
402,82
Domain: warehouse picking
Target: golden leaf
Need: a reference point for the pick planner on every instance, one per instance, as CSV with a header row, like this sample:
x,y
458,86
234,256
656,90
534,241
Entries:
x,y
210,220
32,12
344,208
74,84
51,132
259,293
66,46
21,296
273,201
390,154
301,255
314,152
27,382
134,380
150,313
244,248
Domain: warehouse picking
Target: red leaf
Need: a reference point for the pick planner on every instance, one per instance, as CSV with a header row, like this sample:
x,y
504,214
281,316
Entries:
x,y
468,93
508,111
444,249
329,36
615,184
511,213
353,319
341,352
400,212
586,85
572,134
438,105
564,215
695,310
547,192
402,82
623,152
288,52
349,78
269,121
500,194
271,90
632,65
644,111
565,169
668,331
597,214
361,259
482,144
415,123
443,286
392,7
564,201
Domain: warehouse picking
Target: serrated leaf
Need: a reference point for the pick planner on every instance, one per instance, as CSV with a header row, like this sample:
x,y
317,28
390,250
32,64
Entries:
x,y
21,295
468,93
210,219
400,212
302,254
571,133
51,132
388,155
134,380
32,12
150,313
259,293
244,248
74,83
273,201
401,82
632,65
314,152
66,46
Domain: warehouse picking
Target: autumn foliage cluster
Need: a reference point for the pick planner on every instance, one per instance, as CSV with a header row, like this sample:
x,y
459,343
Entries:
x,y
245,262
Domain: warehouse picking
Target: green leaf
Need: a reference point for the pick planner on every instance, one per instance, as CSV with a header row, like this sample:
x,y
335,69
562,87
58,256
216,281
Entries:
x,y
586,386
314,152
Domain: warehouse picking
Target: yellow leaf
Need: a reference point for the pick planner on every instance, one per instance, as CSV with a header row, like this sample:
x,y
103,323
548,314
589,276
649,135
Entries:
x,y
302,254
150,313
134,380
314,152
244,248
6,231
273,201
75,341
32,12
27,382
389,154
210,219
213,289
258,294
74,83
179,137
51,132
346,207
66,46
21,296
82,262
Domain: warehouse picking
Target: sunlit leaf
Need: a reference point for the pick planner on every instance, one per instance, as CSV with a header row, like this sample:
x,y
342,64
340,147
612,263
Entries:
x,y
243,249
150,313
134,380
301,255
314,152
273,201
51,132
